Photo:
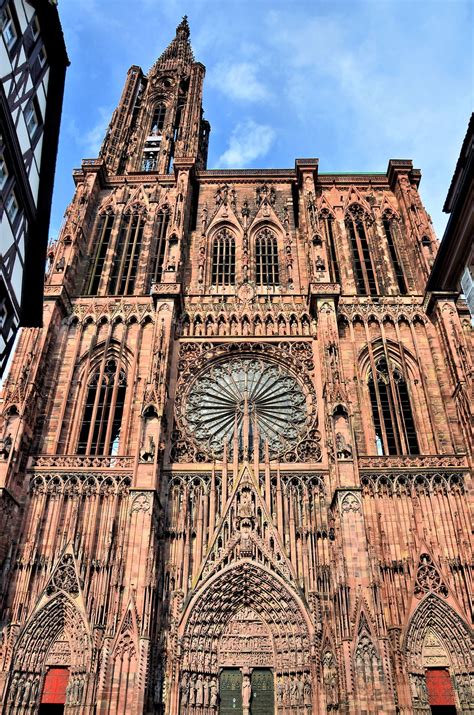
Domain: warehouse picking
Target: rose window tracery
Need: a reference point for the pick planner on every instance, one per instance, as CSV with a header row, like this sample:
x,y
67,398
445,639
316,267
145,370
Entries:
x,y
251,397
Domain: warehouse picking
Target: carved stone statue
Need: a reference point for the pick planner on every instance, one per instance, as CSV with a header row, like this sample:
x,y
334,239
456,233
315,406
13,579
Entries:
x,y
184,688
307,690
147,455
5,446
199,692
319,263
214,693
246,693
344,450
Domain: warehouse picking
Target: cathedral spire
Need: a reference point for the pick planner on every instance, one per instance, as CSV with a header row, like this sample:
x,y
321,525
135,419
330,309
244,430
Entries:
x,y
179,50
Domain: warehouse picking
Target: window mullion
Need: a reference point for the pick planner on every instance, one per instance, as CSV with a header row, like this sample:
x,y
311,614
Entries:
x,y
113,404
96,401
377,395
123,249
132,273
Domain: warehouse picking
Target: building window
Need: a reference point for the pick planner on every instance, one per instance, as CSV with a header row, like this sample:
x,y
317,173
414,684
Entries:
x,y
328,229
126,254
388,227
223,259
102,417
102,242
32,118
3,172
356,224
266,257
162,230
11,207
158,120
394,425
8,28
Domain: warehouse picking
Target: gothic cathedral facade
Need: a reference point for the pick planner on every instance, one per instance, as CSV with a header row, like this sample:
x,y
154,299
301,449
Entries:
x,y
234,462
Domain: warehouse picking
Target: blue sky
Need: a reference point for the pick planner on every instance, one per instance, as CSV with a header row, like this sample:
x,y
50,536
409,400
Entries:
x,y
353,83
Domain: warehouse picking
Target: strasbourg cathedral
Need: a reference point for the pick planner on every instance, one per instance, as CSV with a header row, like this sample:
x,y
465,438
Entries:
x,y
235,460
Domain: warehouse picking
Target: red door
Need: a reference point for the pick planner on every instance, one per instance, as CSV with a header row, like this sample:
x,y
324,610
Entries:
x,y
55,684
440,690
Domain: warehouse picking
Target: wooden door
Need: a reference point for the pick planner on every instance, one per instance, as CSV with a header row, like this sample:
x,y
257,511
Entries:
x,y
230,692
262,702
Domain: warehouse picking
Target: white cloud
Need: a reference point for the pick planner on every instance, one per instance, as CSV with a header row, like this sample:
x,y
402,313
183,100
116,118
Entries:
x,y
248,142
239,81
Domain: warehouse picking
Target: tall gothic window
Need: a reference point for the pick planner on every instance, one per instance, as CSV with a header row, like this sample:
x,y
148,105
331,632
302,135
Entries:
x,y
102,242
102,417
127,254
356,224
395,431
158,119
388,227
328,228
223,259
163,220
266,258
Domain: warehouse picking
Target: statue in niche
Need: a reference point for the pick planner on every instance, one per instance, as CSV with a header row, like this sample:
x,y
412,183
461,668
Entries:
x,y
294,691
214,693
307,690
246,505
192,690
319,263
184,688
280,692
199,700
343,449
205,687
246,546
6,446
147,454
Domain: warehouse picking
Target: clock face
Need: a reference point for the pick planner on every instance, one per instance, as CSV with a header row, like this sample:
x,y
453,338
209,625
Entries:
x,y
250,395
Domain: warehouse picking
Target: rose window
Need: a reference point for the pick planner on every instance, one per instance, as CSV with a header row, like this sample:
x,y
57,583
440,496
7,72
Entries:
x,y
251,398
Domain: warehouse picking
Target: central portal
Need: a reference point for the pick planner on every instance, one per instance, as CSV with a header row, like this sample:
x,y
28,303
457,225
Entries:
x,y
237,699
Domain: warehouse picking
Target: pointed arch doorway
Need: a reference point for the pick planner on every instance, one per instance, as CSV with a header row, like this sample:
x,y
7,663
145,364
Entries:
x,y
246,627
246,655
261,692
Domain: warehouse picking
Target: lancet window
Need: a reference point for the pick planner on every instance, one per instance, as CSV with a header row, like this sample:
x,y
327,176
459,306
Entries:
x,y
163,220
223,259
102,242
127,253
395,431
327,223
158,119
388,227
356,224
266,259
151,149
102,416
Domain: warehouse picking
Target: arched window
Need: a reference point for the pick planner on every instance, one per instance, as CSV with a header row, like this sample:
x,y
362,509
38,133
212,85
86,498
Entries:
x,y
102,417
327,222
394,425
356,224
388,227
158,119
223,259
266,259
102,242
126,254
163,220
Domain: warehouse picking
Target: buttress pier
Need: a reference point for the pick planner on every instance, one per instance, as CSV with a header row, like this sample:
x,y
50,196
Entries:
x,y
234,462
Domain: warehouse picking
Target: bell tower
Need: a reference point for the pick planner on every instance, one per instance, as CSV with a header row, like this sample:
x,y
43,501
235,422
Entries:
x,y
159,117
